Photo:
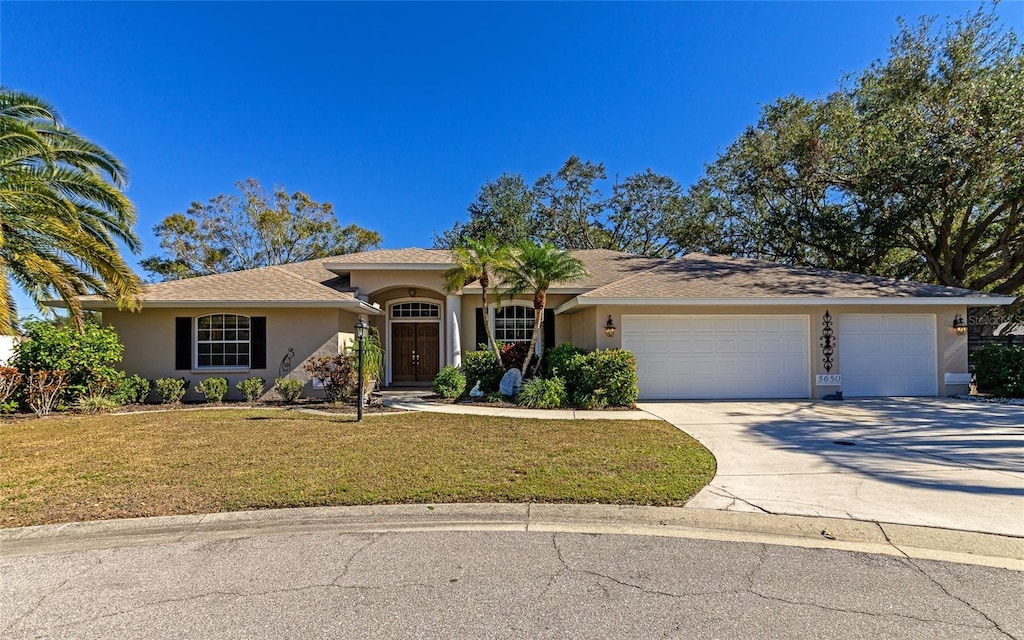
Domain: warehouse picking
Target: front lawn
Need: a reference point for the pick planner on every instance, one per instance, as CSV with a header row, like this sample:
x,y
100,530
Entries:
x,y
74,468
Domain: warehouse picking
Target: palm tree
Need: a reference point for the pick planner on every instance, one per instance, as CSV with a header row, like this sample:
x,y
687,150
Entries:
x,y
534,269
62,213
478,261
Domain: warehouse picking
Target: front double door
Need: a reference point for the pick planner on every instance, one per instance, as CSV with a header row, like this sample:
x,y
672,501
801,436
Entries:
x,y
414,352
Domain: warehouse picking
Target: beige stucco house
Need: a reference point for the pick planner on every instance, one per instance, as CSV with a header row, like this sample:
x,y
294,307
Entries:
x,y
701,326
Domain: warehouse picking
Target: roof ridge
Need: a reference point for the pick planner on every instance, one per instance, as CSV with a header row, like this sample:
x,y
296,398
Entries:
x,y
619,281
280,268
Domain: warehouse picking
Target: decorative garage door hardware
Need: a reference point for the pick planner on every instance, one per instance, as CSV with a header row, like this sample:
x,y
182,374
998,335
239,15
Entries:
x,y
828,341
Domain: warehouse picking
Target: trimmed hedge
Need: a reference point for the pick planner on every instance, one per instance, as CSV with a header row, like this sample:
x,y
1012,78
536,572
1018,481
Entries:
x,y
594,379
562,362
604,378
999,370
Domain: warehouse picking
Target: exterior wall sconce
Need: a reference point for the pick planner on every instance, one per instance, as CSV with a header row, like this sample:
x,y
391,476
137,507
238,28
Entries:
x,y
609,328
959,325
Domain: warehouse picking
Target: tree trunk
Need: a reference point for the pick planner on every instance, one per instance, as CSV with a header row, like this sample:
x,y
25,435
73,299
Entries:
x,y
487,328
538,327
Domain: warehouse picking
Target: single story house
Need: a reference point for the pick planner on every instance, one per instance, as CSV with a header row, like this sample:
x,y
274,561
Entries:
x,y
701,326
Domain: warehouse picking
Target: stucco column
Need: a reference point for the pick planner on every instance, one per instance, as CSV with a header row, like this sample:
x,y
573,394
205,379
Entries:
x,y
453,307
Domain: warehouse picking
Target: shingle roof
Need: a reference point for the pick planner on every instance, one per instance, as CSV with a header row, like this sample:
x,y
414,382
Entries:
x,y
613,275
307,282
702,276
604,266
410,256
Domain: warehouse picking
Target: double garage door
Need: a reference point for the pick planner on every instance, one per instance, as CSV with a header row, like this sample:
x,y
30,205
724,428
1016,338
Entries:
x,y
730,357
696,357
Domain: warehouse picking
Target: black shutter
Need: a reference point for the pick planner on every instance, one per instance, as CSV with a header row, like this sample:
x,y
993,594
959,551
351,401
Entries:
x,y
258,343
183,343
481,331
549,328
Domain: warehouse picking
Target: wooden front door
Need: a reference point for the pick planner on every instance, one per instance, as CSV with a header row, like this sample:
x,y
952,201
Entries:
x,y
414,351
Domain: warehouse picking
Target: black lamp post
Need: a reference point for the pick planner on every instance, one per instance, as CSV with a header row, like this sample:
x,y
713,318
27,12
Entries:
x,y
361,329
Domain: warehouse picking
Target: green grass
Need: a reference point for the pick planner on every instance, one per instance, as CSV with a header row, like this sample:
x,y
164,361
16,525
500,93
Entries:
x,y
75,468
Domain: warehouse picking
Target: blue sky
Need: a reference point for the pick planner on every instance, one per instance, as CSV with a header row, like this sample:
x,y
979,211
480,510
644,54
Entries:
x,y
397,113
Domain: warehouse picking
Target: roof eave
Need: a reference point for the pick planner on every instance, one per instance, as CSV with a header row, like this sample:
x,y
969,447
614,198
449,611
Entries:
x,y
954,301
356,305
345,267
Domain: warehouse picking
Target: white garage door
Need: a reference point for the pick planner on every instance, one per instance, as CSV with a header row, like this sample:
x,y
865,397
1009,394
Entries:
x,y
697,357
887,355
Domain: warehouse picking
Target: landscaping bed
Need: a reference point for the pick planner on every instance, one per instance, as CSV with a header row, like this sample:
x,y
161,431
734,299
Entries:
x,y
67,468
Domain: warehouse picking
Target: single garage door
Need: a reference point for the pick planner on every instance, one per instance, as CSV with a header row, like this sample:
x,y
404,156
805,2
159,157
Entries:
x,y
887,355
709,357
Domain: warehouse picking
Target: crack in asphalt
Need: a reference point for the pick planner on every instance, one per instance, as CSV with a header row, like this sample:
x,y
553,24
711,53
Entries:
x,y
49,592
907,559
632,585
762,559
564,566
236,595
373,538
751,588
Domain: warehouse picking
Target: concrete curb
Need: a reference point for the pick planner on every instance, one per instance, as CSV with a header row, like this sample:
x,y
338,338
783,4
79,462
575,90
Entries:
x,y
810,532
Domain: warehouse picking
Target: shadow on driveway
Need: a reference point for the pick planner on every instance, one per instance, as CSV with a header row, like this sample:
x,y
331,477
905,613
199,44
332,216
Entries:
x,y
929,444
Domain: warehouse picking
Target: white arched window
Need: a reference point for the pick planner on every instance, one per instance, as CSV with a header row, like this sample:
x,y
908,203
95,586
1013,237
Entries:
x,y
513,323
415,310
223,340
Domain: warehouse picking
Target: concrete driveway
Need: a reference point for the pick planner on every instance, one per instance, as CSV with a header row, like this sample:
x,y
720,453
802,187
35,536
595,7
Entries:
x,y
931,462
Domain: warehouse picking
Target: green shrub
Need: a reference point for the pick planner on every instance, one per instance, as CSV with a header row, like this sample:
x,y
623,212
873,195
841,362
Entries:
x,y
542,393
171,390
606,377
251,388
482,366
97,404
338,375
213,388
495,397
288,388
134,389
106,383
84,357
563,362
449,383
999,370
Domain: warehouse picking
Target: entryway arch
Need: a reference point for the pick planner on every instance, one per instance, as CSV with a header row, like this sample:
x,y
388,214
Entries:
x,y
415,345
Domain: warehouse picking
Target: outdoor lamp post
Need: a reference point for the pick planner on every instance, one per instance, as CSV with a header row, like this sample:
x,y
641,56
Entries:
x,y
361,329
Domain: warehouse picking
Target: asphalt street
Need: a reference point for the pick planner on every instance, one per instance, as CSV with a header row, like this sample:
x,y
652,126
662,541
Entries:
x,y
498,584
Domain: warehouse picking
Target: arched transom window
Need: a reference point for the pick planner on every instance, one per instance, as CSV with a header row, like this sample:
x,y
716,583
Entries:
x,y
513,323
222,340
415,310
